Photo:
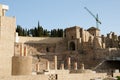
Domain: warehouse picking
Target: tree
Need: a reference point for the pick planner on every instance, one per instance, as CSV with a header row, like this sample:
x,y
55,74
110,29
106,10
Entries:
x,y
39,31
56,33
46,33
60,32
32,32
19,30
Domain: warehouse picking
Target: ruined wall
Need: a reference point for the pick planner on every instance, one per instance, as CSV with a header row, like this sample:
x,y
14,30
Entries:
x,y
39,39
94,31
83,39
72,33
41,44
112,40
107,53
61,46
86,36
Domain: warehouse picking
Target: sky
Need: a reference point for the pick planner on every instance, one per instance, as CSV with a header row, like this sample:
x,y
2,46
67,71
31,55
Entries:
x,y
53,14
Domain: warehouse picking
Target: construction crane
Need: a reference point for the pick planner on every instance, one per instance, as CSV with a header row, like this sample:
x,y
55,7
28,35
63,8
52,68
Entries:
x,y
95,17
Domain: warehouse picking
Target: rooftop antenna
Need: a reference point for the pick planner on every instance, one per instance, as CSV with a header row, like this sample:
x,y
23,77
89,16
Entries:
x,y
95,17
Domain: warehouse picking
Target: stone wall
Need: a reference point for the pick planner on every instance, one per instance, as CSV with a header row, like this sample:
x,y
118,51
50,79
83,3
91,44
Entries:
x,y
7,38
107,53
86,76
72,33
30,77
59,77
41,44
38,39
116,74
21,65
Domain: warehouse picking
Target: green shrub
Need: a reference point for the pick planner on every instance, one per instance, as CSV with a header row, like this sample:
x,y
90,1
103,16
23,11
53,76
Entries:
x,y
118,77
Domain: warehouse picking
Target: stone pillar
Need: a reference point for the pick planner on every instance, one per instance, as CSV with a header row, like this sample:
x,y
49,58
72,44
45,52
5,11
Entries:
x,y
62,66
3,12
75,66
82,67
37,67
25,51
55,62
48,65
103,45
69,63
21,49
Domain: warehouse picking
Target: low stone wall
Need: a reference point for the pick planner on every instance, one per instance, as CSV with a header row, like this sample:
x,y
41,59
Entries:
x,y
60,76
65,75
38,39
116,74
86,76
30,77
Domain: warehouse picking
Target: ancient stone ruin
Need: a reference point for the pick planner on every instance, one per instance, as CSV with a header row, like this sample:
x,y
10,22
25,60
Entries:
x,y
78,54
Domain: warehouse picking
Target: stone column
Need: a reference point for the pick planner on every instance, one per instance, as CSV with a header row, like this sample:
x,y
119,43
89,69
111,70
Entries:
x,y
48,65
82,67
3,12
62,66
25,51
37,67
21,49
55,62
75,66
69,63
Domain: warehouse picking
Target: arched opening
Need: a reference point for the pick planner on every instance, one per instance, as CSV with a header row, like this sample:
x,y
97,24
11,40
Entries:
x,y
72,46
47,49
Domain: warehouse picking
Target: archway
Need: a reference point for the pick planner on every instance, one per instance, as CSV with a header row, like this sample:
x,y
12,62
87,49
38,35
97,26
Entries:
x,y
72,46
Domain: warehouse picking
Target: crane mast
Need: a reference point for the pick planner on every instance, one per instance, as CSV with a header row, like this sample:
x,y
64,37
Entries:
x,y
95,17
